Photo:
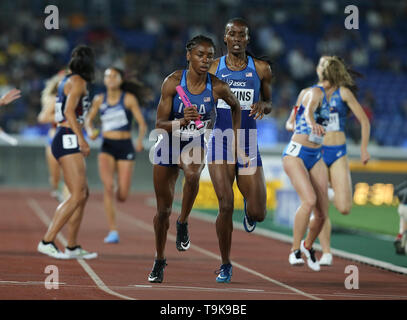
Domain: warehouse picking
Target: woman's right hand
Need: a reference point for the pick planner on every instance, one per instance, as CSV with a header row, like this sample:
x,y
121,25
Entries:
x,y
84,147
94,134
318,129
191,114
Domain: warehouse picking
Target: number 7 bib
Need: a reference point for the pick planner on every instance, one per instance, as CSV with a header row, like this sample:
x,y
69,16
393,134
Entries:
x,y
293,149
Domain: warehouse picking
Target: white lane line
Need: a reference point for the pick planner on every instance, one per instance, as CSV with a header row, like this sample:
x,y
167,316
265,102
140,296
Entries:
x,y
92,274
150,228
198,288
28,283
284,238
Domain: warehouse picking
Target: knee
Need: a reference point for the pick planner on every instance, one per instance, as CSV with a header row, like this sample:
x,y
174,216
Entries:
x,y
121,196
192,178
344,209
257,212
81,196
259,215
310,203
226,205
163,214
109,189
343,204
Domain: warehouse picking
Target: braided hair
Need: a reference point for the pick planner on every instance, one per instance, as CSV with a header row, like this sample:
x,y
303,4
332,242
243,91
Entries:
x,y
195,41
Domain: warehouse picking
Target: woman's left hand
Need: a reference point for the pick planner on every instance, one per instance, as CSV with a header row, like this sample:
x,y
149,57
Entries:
x,y
139,146
364,156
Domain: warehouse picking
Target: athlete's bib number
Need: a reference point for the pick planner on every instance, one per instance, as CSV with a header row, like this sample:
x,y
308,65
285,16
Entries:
x,y
333,124
293,149
190,129
114,119
69,141
245,97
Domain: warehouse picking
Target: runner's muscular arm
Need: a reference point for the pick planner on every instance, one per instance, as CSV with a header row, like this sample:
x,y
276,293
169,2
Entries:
x,y
262,107
131,101
94,109
290,123
311,102
165,105
360,114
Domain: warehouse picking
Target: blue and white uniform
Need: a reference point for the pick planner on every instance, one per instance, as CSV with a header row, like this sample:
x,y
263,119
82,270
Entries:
x,y
310,156
245,84
337,121
65,140
117,118
169,146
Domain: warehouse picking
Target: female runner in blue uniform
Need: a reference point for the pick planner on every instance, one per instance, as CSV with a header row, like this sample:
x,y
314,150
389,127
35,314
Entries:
x,y
334,151
250,80
70,148
117,108
181,145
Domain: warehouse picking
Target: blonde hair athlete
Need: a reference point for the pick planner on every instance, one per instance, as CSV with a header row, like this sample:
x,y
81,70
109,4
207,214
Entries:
x,y
334,142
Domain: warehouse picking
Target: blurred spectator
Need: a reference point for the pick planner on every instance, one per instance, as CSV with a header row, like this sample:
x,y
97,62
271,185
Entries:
x,y
148,38
269,42
360,57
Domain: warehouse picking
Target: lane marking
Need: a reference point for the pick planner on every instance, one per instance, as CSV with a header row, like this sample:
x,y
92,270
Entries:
x,y
28,283
288,239
40,213
170,236
198,288
6,283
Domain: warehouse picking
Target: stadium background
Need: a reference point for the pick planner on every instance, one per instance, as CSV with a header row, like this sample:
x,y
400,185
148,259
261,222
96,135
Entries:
x,y
149,37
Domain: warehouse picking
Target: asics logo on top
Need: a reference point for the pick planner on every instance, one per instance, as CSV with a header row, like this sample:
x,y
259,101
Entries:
x,y
225,75
237,83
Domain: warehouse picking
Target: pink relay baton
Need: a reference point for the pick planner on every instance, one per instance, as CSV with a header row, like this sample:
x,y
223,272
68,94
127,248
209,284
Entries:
x,y
199,124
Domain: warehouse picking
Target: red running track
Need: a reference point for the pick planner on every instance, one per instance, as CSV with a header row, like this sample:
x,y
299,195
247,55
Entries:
x,y
261,269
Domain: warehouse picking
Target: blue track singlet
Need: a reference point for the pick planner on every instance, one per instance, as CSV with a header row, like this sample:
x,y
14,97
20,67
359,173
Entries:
x,y
245,84
116,117
164,153
81,109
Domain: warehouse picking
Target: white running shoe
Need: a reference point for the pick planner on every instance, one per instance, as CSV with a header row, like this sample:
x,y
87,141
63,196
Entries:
x,y
50,249
310,255
295,258
79,253
326,259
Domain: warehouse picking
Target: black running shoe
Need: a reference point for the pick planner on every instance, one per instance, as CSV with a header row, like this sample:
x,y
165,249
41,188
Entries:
x,y
398,246
182,241
157,274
